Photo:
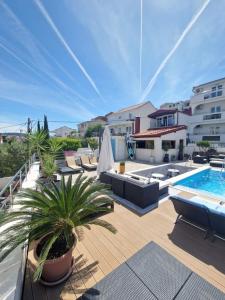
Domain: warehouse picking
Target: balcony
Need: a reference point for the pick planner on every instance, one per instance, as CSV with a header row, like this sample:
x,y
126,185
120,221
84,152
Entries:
x,y
210,118
208,95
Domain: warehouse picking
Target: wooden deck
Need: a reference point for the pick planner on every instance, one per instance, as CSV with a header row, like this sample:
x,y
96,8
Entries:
x,y
100,252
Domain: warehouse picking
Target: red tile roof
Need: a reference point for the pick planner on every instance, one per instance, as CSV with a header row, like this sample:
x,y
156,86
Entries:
x,y
162,112
157,132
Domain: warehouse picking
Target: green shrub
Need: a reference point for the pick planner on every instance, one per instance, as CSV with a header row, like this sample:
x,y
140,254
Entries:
x,y
12,157
69,143
203,145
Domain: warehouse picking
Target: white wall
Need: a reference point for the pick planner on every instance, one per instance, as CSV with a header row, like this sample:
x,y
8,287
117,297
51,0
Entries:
x,y
120,148
157,152
142,112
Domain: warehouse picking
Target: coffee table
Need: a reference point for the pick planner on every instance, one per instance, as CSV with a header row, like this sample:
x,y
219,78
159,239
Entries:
x,y
158,175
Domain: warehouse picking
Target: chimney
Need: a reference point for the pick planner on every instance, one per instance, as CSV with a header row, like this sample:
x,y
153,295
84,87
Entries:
x,y
137,126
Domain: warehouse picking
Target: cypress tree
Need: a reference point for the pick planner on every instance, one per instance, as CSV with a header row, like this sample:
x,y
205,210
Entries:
x,y
38,127
46,130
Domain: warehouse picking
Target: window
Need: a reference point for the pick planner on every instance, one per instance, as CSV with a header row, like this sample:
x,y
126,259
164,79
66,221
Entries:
x,y
168,144
170,120
213,94
220,86
145,144
140,144
128,129
217,130
206,96
211,138
149,145
218,109
213,88
211,130
213,109
219,93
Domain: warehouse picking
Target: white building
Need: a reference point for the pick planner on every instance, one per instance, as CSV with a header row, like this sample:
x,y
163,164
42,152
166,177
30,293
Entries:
x,y
63,131
100,120
208,112
168,129
124,121
181,105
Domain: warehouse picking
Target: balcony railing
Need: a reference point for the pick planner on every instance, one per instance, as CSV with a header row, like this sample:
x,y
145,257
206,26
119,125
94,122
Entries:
x,y
15,183
212,116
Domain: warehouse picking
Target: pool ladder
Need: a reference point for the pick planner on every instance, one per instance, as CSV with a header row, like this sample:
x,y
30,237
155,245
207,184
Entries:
x,y
223,170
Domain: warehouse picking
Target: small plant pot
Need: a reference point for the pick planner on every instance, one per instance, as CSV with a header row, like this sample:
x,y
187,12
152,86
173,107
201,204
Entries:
x,y
122,168
166,158
56,270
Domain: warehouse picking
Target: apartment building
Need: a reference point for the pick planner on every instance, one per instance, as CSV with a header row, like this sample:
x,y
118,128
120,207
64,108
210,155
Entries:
x,y
124,120
182,105
208,112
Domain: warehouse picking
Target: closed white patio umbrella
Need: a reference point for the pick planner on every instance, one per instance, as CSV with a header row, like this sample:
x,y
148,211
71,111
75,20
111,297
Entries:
x,y
106,160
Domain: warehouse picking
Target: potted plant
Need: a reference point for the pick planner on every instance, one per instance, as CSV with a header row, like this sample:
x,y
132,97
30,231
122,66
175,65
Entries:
x,y
166,155
181,152
122,167
48,168
52,218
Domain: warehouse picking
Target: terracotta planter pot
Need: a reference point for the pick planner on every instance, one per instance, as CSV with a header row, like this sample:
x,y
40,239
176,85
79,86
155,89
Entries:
x,y
56,269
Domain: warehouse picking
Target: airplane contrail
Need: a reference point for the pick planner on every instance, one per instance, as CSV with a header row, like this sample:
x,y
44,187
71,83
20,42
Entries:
x,y
151,83
67,47
141,27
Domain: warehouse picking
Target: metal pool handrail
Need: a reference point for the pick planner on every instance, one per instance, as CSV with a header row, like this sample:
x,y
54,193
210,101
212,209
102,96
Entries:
x,y
14,183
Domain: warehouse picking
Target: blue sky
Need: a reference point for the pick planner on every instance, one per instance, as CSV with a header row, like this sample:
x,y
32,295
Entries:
x,y
73,60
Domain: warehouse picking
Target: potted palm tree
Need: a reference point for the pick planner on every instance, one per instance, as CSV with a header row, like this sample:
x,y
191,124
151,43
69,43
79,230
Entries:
x,y
53,217
48,168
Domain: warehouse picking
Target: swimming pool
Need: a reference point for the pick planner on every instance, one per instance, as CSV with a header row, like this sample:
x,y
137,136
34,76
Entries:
x,y
208,181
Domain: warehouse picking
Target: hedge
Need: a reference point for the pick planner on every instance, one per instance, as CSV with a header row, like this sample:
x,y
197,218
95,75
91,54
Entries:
x,y
69,143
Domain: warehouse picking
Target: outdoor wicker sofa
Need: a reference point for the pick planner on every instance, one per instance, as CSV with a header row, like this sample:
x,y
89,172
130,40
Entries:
x,y
139,193
200,159
196,211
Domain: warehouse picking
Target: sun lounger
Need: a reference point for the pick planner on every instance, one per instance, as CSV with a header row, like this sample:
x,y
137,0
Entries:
x,y
217,163
86,163
71,163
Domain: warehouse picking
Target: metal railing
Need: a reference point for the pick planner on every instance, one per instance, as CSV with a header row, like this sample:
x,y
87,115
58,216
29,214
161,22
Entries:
x,y
15,184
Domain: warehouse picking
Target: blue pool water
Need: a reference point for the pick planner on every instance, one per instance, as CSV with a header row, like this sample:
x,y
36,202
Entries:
x,y
208,180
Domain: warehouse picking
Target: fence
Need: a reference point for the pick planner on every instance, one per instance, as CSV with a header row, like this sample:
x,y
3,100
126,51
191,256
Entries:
x,y
15,183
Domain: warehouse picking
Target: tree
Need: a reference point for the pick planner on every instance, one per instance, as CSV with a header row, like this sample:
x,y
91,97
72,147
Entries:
x,y
46,130
203,145
38,126
93,143
37,142
93,130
